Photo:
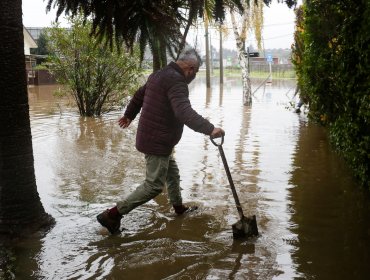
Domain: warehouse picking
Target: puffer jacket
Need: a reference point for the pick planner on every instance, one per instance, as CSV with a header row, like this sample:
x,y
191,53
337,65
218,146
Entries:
x,y
165,108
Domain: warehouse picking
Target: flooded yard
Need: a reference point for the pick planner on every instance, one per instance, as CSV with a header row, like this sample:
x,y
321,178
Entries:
x,y
313,218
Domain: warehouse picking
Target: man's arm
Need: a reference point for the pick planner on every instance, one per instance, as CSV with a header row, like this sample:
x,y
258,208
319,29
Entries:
x,y
133,108
178,96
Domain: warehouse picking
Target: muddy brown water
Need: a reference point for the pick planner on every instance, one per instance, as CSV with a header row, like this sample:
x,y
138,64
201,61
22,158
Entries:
x,y
313,218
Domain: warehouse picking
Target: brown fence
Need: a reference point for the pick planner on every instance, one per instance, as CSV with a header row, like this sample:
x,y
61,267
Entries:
x,y
277,69
40,77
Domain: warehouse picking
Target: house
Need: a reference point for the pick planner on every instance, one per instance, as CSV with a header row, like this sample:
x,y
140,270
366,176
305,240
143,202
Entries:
x,y
29,43
35,32
34,77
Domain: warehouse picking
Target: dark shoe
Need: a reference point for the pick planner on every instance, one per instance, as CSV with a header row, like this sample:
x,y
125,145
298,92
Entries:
x,y
111,222
181,209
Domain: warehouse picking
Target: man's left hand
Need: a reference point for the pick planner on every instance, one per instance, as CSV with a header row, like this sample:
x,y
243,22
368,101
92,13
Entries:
x,y
217,132
124,122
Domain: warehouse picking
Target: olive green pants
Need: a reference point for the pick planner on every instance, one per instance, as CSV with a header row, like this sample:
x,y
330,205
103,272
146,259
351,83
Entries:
x,y
160,171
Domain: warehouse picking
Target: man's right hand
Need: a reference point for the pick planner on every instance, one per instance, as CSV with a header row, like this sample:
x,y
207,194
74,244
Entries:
x,y
124,122
217,132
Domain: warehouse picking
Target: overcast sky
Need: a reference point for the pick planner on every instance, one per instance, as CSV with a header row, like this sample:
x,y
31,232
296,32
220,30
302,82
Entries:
x,y
278,24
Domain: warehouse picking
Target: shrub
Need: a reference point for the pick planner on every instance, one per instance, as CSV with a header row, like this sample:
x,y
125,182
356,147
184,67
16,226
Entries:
x,y
334,74
98,78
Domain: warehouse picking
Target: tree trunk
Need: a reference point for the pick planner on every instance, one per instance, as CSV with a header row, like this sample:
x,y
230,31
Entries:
x,y
163,53
221,58
247,90
21,211
240,45
156,55
159,54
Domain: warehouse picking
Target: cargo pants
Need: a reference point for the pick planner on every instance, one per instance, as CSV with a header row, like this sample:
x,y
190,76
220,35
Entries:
x,y
161,171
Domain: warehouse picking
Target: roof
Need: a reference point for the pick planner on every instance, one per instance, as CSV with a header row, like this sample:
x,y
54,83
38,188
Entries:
x,y
27,36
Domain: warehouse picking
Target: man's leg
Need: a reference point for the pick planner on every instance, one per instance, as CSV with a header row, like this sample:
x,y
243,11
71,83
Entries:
x,y
173,182
155,180
156,173
173,188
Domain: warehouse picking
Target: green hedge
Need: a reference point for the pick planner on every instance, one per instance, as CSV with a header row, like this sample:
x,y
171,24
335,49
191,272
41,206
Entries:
x,y
335,75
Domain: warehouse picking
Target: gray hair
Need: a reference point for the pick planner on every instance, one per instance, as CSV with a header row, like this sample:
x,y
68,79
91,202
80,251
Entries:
x,y
190,55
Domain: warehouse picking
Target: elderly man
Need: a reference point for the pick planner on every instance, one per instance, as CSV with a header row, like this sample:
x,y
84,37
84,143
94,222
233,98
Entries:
x,y
165,108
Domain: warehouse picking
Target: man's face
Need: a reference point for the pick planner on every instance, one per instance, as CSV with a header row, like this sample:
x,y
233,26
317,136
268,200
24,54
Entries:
x,y
191,73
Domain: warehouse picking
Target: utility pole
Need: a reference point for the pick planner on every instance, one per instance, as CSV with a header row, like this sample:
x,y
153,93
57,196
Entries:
x,y
221,59
208,75
211,53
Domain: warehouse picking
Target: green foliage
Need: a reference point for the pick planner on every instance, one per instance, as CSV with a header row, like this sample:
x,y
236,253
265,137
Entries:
x,y
334,73
298,48
40,67
41,45
97,77
154,23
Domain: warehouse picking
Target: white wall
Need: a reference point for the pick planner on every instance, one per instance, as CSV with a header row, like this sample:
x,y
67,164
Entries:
x,y
28,42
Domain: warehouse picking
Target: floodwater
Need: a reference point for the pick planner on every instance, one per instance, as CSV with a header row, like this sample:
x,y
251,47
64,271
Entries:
x,y
313,218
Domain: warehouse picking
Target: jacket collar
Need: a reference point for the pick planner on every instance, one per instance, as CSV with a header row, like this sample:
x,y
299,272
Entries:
x,y
176,67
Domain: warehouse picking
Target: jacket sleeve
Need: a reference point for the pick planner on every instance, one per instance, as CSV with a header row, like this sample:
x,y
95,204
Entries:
x,y
134,107
180,103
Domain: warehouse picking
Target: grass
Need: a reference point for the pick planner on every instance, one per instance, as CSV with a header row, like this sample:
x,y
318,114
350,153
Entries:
x,y
288,74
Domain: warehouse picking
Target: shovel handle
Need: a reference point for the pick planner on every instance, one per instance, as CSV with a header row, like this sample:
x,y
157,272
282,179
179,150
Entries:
x,y
233,190
214,142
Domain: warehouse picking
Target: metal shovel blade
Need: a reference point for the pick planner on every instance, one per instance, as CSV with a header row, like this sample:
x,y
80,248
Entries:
x,y
246,227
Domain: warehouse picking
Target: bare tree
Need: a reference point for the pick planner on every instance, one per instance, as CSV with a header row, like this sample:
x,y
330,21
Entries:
x,y
250,20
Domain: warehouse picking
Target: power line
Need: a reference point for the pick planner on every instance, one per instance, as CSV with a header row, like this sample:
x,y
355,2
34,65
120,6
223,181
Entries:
x,y
277,37
266,39
278,24
268,25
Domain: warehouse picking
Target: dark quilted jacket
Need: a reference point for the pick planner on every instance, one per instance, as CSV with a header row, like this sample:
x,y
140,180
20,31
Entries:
x,y
165,108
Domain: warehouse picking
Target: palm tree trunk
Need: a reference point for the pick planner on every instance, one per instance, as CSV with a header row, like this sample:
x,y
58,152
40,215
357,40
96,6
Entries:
x,y
158,48
154,47
21,211
163,53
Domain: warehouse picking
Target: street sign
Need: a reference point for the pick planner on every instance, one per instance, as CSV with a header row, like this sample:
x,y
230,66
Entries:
x,y
252,54
269,58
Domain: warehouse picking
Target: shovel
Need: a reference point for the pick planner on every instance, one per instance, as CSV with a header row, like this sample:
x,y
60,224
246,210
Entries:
x,y
246,226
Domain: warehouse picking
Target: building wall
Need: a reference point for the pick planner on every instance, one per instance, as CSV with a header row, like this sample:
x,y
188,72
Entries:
x,y
28,42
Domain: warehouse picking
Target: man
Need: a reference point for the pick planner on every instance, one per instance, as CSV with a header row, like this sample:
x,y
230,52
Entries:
x,y
165,108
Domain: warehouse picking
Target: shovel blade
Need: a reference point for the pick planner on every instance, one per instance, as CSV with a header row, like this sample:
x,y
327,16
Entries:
x,y
246,227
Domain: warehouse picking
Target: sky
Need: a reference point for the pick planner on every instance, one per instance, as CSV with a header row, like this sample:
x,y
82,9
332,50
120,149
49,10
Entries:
x,y
277,33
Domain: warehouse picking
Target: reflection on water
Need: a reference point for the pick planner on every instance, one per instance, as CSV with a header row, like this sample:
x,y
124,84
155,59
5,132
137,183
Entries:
x,y
313,219
330,216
